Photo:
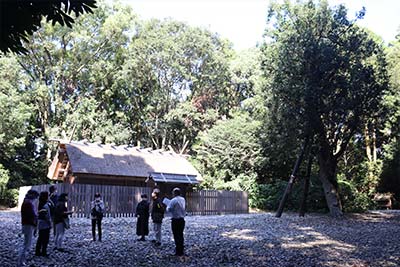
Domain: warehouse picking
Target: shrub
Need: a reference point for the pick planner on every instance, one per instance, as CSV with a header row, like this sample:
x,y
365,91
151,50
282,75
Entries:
x,y
352,199
9,197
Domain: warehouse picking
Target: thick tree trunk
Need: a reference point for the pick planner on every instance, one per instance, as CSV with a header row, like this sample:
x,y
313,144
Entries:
x,y
327,175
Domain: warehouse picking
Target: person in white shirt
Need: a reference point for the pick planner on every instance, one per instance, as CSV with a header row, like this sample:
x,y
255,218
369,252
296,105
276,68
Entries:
x,y
177,209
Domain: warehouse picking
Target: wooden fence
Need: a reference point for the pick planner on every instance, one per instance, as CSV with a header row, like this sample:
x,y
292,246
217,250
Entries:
x,y
209,202
121,201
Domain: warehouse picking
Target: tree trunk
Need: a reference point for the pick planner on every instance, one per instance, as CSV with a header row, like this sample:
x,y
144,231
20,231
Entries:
x,y
370,150
327,175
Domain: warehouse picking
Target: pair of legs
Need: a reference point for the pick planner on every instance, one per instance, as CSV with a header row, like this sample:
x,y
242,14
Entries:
x,y
157,233
178,225
94,223
27,231
60,230
142,228
42,242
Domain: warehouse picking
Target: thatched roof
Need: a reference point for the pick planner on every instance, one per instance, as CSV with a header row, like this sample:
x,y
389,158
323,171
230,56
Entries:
x,y
89,158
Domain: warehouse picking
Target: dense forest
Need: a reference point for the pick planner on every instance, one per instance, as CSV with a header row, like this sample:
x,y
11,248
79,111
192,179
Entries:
x,y
319,84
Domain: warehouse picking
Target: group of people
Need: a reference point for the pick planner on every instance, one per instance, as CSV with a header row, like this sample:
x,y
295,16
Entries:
x,y
155,210
51,212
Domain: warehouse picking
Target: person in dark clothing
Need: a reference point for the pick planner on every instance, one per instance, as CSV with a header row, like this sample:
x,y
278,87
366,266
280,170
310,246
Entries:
x,y
97,211
44,224
61,213
29,218
53,200
142,214
177,207
157,215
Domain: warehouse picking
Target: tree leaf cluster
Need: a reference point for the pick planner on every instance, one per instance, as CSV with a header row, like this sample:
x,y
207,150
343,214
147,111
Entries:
x,y
20,19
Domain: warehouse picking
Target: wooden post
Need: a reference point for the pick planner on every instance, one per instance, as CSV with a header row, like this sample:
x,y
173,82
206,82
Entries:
x,y
303,205
292,178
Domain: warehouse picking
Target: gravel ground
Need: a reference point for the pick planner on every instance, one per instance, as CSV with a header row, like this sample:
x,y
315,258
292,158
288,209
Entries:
x,y
360,240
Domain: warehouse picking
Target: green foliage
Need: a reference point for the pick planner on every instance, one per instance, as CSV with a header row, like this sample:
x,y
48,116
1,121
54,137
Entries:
x,y
390,179
327,78
230,148
14,107
8,197
4,177
268,196
171,65
228,155
271,194
19,19
164,84
353,200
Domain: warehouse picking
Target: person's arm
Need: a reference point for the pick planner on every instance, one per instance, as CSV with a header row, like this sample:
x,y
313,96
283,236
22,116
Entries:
x,y
66,212
138,210
102,207
34,214
171,205
48,214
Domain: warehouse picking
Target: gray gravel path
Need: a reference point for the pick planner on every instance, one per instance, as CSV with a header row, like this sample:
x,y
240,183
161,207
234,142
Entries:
x,y
358,240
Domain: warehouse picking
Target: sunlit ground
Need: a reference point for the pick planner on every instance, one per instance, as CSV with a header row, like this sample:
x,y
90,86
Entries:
x,y
232,240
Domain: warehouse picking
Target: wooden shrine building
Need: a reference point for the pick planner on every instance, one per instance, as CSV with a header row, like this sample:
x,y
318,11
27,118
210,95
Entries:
x,y
99,164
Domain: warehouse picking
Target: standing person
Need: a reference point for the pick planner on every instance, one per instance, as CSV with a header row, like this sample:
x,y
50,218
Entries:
x,y
142,214
61,213
44,224
177,208
29,221
97,212
157,215
53,204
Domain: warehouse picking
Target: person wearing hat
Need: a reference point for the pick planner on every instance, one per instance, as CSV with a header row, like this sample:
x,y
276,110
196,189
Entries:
x,y
29,219
60,215
142,215
177,209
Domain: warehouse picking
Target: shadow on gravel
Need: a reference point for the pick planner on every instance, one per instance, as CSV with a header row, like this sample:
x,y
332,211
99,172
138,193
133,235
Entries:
x,y
232,240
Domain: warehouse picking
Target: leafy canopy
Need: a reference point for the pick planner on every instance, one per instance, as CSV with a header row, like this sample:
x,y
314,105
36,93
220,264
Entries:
x,y
19,19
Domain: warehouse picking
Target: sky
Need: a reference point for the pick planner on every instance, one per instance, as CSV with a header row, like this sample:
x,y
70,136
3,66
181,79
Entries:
x,y
243,21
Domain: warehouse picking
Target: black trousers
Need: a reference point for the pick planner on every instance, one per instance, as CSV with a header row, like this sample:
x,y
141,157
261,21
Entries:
x,y
94,222
42,242
178,225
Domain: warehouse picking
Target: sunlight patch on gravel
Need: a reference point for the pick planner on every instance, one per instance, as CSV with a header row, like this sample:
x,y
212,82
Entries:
x,y
245,234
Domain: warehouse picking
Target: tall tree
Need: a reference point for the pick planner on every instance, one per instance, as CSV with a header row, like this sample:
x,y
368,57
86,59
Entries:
x,y
391,168
20,141
170,63
327,76
73,72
